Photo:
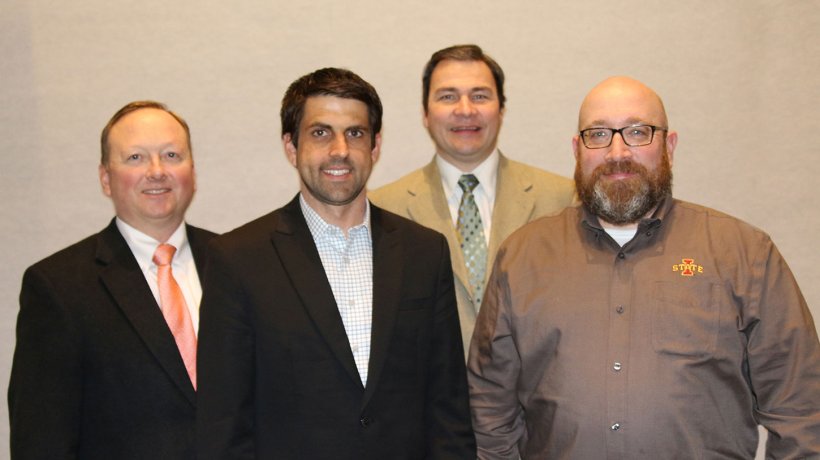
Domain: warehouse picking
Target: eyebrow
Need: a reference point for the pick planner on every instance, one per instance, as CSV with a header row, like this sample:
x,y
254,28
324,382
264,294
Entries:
x,y
328,127
454,89
631,121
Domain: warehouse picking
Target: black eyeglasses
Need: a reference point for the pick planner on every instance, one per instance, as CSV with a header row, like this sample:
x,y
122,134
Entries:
x,y
633,136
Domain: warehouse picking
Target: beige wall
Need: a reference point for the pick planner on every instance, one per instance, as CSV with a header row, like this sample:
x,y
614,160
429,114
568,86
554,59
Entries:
x,y
739,78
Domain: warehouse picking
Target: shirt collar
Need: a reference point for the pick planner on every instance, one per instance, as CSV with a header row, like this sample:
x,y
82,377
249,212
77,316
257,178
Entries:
x,y
486,173
144,246
319,228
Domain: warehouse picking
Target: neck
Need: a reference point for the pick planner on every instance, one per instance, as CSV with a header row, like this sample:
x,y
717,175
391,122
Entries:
x,y
465,166
344,216
160,232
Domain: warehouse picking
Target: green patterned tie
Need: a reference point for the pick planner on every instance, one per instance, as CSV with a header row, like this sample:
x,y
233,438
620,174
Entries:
x,y
471,236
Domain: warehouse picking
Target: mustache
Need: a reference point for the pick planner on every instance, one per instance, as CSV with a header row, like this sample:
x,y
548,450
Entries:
x,y
620,167
337,162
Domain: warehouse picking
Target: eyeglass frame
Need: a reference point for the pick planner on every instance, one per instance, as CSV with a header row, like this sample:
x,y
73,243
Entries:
x,y
614,131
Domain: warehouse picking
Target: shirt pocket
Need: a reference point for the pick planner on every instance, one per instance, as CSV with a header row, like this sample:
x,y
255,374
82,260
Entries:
x,y
685,317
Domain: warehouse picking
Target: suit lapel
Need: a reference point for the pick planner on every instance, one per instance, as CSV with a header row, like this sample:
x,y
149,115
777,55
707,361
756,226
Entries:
x,y
297,252
126,283
387,275
429,208
516,206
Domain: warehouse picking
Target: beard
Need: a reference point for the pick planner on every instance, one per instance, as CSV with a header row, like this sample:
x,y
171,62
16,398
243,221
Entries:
x,y
624,201
331,192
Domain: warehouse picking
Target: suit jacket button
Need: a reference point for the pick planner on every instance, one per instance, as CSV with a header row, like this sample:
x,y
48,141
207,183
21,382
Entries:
x,y
365,421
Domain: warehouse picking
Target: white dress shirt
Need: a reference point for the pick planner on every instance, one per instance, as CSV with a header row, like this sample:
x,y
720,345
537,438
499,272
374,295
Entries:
x,y
484,193
348,264
182,265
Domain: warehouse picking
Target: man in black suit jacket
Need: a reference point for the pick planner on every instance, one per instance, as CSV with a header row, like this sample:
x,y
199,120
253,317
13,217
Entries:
x,y
329,327
97,373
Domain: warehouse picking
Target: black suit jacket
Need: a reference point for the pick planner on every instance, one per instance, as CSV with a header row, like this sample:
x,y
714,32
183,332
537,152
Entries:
x,y
96,371
276,372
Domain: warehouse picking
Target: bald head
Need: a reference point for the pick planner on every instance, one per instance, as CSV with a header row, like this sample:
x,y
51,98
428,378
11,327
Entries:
x,y
621,101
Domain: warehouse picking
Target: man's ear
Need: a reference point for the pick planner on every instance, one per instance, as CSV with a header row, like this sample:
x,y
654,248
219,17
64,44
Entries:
x,y
671,143
105,179
290,149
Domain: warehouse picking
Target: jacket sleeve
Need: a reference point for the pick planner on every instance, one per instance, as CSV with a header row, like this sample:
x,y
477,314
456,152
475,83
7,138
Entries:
x,y
225,371
449,431
45,391
493,371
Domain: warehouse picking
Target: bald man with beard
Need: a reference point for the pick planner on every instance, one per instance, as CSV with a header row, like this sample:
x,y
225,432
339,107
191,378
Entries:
x,y
637,325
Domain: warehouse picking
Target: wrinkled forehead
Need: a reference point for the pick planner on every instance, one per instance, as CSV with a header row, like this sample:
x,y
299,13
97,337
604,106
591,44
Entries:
x,y
619,103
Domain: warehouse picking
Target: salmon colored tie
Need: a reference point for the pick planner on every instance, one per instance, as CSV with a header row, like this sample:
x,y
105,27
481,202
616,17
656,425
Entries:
x,y
175,309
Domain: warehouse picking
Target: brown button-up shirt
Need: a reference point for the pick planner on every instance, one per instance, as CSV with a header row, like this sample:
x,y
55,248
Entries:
x,y
676,345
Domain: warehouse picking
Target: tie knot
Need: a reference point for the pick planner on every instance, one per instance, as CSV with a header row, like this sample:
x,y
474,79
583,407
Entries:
x,y
164,254
468,182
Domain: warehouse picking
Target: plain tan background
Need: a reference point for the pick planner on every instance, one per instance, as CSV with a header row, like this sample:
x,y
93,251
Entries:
x,y
739,79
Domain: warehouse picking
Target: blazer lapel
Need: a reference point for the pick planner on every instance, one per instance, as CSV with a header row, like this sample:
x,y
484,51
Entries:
x,y
297,252
126,283
387,275
516,207
429,208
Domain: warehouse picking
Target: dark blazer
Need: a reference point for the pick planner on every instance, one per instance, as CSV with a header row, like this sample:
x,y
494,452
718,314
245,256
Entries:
x,y
276,372
96,371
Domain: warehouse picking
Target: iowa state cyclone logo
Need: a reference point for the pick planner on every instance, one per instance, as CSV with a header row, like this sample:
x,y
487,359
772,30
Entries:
x,y
688,267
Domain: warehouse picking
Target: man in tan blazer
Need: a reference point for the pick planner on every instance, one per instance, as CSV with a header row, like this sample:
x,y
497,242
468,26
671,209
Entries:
x,y
463,99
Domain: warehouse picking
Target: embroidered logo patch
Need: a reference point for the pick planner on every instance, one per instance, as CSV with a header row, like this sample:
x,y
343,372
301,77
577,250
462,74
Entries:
x,y
688,267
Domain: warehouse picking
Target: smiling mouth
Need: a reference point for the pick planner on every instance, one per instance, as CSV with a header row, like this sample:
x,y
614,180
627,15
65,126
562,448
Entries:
x,y
336,172
459,129
156,191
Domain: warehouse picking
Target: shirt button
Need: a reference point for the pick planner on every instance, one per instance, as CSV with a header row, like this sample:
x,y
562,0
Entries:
x,y
616,366
365,421
621,255
615,427
619,309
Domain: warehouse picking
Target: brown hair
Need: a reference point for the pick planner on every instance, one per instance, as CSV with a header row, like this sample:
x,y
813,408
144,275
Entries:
x,y
329,81
462,53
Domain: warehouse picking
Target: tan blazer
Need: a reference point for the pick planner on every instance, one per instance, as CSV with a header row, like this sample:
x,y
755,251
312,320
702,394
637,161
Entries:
x,y
523,194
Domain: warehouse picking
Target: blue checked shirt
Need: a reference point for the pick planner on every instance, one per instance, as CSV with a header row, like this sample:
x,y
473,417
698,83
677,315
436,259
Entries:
x,y
348,264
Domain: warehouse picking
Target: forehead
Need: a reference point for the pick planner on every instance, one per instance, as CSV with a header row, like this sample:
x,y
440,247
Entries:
x,y
333,110
461,75
620,105
147,124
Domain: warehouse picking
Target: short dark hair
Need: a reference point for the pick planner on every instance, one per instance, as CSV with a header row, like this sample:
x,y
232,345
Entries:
x,y
133,107
462,53
329,81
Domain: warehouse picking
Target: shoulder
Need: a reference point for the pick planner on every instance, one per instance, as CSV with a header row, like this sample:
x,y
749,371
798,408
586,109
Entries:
x,y
537,176
717,225
250,234
400,188
407,228
76,267
199,233
68,258
552,233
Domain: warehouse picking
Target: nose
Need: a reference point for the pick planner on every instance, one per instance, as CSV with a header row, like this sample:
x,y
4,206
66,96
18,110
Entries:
x,y
618,149
155,168
464,106
340,146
